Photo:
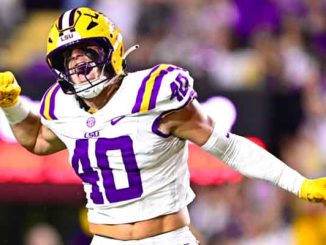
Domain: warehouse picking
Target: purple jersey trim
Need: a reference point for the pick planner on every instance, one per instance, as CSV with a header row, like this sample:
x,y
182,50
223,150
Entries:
x,y
52,102
156,87
155,126
141,91
43,100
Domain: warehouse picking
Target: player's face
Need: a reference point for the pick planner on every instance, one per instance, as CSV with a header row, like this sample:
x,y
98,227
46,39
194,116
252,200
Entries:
x,y
81,65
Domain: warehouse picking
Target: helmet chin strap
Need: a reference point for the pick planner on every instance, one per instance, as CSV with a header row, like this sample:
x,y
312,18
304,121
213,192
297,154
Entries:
x,y
84,90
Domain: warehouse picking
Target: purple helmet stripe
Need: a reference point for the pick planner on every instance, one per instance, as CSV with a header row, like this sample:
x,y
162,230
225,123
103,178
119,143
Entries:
x,y
60,22
66,20
71,17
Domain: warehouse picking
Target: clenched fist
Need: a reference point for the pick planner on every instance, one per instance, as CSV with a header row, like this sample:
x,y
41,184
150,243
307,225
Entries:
x,y
9,89
314,190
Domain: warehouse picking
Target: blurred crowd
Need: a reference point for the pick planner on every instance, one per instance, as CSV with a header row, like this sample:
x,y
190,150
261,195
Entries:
x,y
270,46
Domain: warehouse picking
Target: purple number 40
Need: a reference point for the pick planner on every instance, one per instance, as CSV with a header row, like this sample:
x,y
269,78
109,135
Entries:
x,y
91,176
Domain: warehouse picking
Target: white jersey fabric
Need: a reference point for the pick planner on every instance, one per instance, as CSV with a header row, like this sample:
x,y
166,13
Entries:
x,y
131,171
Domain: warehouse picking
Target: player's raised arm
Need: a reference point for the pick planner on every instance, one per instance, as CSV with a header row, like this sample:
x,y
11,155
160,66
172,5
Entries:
x,y
25,125
240,153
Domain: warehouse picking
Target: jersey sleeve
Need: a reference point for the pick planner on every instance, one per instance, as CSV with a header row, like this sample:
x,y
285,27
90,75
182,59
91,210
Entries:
x,y
165,88
48,110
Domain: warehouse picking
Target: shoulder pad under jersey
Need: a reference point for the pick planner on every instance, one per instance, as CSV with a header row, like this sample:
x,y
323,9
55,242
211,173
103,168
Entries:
x,y
165,88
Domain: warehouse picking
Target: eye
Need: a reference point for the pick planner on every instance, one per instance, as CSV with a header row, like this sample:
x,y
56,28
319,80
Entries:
x,y
92,54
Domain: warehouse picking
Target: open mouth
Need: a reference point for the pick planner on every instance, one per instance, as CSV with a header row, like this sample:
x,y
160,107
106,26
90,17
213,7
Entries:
x,y
83,71
83,68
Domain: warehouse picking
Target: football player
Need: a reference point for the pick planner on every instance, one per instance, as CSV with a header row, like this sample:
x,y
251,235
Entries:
x,y
127,134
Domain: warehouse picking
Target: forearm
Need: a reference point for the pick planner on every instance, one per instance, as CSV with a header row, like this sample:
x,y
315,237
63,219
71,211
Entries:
x,y
26,132
29,132
253,161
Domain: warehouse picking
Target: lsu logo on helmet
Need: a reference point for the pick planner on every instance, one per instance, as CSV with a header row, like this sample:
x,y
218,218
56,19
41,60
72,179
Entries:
x,y
84,25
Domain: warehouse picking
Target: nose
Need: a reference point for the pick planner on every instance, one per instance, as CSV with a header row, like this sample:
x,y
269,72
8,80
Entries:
x,y
75,56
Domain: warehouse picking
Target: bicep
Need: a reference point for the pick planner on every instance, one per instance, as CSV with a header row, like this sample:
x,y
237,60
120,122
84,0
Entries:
x,y
47,142
36,137
189,123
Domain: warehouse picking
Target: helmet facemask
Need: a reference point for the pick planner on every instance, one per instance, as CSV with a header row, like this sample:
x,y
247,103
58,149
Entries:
x,y
90,88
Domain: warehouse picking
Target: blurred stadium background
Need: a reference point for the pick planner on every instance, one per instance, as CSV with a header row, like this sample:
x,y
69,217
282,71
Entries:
x,y
265,58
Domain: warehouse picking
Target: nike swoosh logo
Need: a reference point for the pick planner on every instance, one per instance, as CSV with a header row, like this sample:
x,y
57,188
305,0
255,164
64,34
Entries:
x,y
114,121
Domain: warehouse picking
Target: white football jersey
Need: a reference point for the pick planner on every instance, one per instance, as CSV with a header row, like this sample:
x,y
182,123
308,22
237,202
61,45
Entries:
x,y
131,171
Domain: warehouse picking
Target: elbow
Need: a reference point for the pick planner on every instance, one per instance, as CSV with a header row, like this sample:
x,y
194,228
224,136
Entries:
x,y
34,149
